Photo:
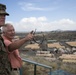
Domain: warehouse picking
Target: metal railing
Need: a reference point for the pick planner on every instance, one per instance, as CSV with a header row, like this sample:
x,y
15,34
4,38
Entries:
x,y
37,64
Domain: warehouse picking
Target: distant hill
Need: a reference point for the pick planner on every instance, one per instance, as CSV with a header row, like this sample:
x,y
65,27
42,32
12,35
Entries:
x,y
54,35
62,35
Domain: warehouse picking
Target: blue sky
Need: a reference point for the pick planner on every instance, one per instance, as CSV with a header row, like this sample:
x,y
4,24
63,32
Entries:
x,y
42,15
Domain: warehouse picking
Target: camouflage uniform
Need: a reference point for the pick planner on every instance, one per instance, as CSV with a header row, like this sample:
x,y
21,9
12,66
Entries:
x,y
5,68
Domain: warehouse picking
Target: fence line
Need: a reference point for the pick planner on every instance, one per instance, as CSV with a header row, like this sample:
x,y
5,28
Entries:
x,y
37,64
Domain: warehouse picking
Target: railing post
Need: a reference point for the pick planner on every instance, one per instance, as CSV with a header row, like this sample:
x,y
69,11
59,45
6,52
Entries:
x,y
34,69
21,71
50,72
37,64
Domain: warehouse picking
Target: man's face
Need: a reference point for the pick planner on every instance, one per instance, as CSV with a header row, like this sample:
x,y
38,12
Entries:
x,y
10,32
2,19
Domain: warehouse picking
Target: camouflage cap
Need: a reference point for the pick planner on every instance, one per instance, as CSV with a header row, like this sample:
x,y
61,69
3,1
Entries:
x,y
3,10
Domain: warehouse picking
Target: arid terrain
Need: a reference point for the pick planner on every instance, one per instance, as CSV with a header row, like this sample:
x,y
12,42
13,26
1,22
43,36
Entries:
x,y
60,52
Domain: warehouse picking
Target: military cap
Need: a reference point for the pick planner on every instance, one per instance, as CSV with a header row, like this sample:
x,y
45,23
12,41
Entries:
x,y
3,10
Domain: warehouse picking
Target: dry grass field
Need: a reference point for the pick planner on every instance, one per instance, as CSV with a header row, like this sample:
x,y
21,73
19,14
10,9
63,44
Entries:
x,y
36,46
69,67
72,43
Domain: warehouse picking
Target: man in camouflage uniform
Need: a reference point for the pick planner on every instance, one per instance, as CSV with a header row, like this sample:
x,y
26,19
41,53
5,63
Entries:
x,y
5,68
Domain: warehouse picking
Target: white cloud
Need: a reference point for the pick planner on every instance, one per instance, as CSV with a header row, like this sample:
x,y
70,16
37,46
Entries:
x,y
29,6
33,6
31,19
66,21
42,24
42,18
